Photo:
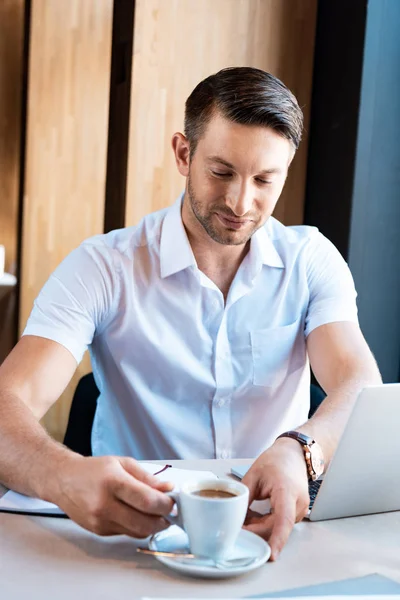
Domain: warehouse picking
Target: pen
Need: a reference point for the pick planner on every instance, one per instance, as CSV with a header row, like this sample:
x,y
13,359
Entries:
x,y
163,469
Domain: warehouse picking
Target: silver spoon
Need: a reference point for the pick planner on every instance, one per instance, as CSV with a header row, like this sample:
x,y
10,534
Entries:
x,y
233,563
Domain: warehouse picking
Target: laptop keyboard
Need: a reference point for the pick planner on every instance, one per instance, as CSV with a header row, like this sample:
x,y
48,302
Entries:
x,y
313,488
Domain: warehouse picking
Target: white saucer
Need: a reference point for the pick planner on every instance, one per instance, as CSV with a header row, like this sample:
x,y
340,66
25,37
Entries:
x,y
174,539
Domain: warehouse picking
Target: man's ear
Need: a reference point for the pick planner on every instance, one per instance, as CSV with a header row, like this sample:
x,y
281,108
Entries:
x,y
181,148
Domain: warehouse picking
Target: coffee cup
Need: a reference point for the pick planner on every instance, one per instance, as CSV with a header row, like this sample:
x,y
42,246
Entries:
x,y
212,513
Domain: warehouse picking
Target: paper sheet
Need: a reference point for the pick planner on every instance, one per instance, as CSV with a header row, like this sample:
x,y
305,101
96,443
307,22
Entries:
x,y
14,502
18,503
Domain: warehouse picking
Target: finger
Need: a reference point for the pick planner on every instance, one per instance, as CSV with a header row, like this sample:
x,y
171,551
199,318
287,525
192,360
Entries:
x,y
128,521
141,496
284,507
251,481
132,467
259,519
262,528
119,519
252,515
302,508
164,486
261,525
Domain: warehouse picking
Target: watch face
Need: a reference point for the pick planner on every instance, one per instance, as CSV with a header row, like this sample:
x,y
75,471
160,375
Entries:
x,y
317,459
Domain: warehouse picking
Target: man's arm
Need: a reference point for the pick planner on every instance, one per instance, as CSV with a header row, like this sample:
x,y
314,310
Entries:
x,y
32,377
106,494
343,365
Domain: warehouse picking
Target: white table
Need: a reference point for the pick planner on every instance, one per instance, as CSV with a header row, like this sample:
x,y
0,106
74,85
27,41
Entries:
x,y
44,558
7,283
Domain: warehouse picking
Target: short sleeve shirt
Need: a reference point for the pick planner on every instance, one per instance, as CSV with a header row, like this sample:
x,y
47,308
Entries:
x,y
183,374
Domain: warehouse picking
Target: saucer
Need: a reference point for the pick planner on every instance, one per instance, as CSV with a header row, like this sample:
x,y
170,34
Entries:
x,y
174,539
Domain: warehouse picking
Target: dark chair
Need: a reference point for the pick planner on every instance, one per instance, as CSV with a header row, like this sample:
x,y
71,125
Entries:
x,y
80,421
317,394
83,407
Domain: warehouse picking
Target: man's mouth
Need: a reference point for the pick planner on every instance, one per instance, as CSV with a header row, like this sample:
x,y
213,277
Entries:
x,y
231,222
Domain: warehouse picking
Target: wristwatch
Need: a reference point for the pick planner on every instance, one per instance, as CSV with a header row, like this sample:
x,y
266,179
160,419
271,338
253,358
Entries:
x,y
312,453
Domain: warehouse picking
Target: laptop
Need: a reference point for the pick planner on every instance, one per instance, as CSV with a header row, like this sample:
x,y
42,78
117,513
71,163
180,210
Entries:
x,y
363,475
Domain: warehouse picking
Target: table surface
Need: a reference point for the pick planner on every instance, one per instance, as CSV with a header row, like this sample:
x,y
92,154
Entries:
x,y
46,558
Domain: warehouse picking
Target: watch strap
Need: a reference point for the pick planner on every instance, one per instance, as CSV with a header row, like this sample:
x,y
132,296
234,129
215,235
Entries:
x,y
304,439
306,442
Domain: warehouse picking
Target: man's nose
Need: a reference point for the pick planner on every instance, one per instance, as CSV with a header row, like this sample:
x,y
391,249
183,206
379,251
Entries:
x,y
240,200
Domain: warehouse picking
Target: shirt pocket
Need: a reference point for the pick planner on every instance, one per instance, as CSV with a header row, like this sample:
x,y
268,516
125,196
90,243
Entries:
x,y
277,352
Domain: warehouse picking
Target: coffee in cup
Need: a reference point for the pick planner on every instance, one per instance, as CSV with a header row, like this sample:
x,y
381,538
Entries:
x,y
213,494
212,513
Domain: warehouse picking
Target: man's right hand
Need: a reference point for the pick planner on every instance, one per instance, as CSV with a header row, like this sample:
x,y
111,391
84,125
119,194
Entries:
x,y
112,495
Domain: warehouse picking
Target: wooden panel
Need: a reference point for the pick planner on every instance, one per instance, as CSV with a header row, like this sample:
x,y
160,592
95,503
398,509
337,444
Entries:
x,y
11,73
177,43
68,94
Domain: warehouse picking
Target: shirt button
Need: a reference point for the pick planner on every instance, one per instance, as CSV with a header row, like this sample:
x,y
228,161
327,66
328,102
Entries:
x,y
225,454
222,401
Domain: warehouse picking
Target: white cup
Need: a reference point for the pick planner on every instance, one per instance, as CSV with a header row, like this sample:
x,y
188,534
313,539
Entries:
x,y
212,524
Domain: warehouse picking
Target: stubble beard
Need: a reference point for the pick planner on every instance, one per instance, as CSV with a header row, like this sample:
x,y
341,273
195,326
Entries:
x,y
227,238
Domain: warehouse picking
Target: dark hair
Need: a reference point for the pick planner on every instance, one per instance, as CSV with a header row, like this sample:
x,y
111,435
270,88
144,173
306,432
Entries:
x,y
247,96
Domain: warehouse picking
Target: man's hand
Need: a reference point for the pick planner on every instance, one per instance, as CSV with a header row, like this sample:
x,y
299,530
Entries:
x,y
112,495
280,474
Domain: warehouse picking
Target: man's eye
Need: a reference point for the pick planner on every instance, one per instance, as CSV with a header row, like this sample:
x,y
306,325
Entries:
x,y
219,174
263,181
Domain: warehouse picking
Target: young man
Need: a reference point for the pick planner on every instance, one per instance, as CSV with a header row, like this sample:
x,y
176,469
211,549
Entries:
x,y
202,322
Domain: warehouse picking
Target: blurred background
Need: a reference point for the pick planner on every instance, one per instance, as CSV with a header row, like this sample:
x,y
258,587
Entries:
x,y
92,90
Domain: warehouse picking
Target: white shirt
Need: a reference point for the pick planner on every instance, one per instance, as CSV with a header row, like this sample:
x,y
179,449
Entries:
x,y
180,373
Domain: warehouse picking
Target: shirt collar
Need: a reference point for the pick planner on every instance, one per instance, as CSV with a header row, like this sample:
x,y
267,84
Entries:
x,y
176,253
263,251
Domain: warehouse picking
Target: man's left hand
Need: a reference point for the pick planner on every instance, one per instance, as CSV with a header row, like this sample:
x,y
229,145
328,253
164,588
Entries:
x,y
280,474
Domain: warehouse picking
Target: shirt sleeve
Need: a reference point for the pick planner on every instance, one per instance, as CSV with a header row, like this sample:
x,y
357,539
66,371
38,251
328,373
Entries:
x,y
332,294
76,300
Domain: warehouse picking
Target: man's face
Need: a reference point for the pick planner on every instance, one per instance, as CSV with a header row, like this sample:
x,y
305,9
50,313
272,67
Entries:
x,y
235,179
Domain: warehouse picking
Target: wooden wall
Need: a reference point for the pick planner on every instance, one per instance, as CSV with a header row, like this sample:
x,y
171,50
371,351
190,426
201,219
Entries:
x,y
67,126
178,43
11,77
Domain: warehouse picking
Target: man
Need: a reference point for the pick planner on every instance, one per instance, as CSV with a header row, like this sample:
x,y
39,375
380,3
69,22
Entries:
x,y
201,323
